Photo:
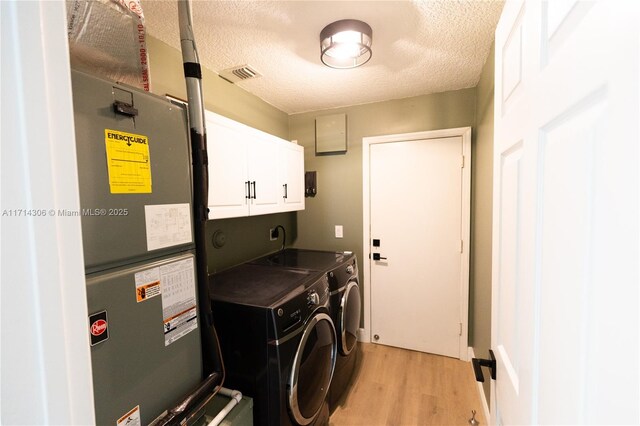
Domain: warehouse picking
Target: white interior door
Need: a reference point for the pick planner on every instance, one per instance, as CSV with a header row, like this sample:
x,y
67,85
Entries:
x,y
565,260
46,360
417,214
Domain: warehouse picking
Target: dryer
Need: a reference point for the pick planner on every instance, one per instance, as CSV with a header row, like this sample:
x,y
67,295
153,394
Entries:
x,y
346,305
278,340
341,269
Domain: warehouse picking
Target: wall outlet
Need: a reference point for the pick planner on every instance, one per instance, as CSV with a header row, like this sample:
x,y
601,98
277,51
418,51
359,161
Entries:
x,y
339,233
273,234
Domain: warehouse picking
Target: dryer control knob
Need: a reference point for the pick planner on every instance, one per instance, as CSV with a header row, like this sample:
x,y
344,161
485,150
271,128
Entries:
x,y
313,298
349,269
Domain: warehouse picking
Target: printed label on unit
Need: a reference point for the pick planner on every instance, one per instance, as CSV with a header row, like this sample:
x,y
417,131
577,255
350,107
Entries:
x,y
98,327
147,284
167,225
132,418
179,309
128,162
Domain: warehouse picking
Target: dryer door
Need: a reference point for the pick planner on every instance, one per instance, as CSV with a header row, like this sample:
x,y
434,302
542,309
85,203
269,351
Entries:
x,y
312,370
349,316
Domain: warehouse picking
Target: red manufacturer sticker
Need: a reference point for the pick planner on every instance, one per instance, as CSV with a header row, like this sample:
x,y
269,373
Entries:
x,y
98,327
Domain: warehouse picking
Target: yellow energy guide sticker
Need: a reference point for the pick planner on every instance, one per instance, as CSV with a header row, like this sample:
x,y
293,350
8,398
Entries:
x,y
128,162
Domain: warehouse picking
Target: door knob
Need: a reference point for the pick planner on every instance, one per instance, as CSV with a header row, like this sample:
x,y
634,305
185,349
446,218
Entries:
x,y
478,363
376,256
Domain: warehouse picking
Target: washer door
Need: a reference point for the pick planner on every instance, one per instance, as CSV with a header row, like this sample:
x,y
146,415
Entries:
x,y
349,317
312,370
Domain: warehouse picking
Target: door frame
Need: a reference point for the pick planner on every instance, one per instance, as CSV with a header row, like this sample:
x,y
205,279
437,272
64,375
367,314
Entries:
x,y
43,280
465,133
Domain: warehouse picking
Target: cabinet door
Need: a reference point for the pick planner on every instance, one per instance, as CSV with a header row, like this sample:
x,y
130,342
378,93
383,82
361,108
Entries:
x,y
228,177
263,164
291,175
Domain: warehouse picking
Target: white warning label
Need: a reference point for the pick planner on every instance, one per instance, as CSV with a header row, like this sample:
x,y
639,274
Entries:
x,y
167,225
179,310
132,418
147,284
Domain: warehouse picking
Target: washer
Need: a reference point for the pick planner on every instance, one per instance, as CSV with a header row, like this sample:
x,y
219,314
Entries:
x,y
346,304
341,269
278,340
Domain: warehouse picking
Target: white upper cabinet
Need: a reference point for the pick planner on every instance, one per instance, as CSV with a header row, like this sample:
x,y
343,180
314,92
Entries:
x,y
251,172
263,165
228,175
292,175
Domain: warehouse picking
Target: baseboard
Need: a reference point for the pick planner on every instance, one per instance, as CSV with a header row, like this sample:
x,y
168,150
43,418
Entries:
x,y
483,398
363,336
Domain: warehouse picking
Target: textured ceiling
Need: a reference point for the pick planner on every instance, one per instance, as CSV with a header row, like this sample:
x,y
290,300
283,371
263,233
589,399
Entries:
x,y
419,47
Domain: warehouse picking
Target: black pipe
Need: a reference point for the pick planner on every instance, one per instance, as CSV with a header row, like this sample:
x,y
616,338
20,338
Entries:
x,y
212,365
284,235
211,361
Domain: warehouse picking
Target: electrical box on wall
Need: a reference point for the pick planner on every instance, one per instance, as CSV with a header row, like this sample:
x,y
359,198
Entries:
x,y
310,184
331,134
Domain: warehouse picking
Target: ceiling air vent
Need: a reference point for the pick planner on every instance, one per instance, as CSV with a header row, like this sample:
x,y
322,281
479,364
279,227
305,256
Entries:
x,y
239,73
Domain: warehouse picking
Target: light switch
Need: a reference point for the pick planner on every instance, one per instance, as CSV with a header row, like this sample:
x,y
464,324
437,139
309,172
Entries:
x,y
338,231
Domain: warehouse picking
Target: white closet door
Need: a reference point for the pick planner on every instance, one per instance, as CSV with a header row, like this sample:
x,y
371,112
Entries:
x,y
565,234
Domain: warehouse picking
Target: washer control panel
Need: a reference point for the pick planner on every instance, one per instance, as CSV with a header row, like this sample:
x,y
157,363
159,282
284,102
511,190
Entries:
x,y
294,311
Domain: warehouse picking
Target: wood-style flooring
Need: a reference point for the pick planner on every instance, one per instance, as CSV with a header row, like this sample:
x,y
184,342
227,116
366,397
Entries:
x,y
398,387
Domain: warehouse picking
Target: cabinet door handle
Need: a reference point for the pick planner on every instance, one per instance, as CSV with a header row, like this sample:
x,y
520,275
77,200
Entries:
x,y
286,195
248,192
254,189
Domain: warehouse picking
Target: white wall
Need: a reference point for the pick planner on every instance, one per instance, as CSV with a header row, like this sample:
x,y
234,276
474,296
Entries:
x,y
46,365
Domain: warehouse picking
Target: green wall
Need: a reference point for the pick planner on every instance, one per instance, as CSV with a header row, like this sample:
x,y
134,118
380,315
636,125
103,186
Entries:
x,y
481,218
246,238
220,96
339,197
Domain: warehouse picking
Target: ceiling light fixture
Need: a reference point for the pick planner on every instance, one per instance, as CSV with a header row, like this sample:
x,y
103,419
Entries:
x,y
345,44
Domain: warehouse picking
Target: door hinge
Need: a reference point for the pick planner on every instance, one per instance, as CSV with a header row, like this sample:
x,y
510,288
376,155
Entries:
x,y
460,334
461,246
462,162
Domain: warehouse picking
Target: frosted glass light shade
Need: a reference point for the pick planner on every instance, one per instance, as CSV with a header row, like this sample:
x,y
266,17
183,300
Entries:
x,y
345,44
